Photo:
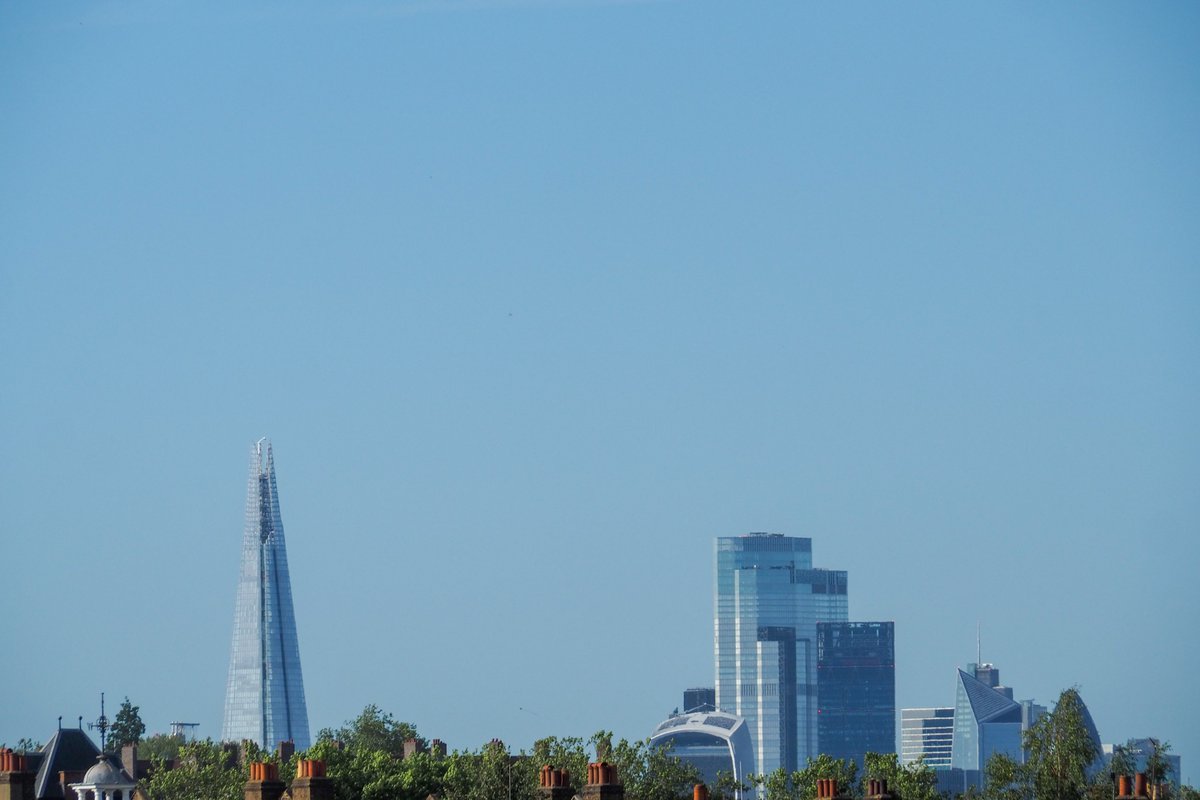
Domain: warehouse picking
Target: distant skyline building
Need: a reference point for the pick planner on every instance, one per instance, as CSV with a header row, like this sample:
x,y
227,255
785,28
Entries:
x,y
928,733
768,600
856,689
986,720
711,741
699,698
264,698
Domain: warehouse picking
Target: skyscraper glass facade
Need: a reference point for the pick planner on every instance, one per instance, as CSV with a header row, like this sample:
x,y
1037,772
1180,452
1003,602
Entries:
x,y
264,698
856,689
928,733
768,600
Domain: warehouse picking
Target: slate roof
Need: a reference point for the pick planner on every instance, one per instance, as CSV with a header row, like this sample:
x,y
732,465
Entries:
x,y
69,750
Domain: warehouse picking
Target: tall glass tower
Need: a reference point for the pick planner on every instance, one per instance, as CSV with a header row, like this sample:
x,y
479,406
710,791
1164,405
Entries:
x,y
264,699
856,689
768,601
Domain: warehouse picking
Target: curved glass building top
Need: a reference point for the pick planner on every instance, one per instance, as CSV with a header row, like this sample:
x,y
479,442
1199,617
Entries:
x,y
713,742
264,698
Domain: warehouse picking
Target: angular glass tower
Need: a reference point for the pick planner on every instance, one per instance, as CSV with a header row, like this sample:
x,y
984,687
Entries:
x,y
264,699
986,721
768,601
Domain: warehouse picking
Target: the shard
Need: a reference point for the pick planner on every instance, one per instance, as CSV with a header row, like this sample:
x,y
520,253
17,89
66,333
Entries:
x,y
264,699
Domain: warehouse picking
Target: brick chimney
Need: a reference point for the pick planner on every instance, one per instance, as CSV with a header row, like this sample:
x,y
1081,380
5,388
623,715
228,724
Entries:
x,y
413,746
699,792
310,782
438,748
16,781
602,783
1141,786
264,783
554,784
877,789
828,789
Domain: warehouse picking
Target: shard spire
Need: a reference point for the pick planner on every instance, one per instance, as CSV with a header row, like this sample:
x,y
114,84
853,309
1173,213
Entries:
x,y
264,698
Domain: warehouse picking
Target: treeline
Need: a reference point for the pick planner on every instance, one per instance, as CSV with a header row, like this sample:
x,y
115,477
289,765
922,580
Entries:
x,y
366,758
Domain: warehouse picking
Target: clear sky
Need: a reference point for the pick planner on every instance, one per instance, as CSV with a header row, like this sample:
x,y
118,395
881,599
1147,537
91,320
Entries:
x,y
535,299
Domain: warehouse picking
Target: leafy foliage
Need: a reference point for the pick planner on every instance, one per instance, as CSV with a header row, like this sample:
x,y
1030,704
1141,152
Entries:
x,y
374,729
127,726
161,746
915,781
1006,779
206,771
802,784
1060,751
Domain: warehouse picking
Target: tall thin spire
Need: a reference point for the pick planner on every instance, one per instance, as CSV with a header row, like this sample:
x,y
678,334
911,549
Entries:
x,y
264,698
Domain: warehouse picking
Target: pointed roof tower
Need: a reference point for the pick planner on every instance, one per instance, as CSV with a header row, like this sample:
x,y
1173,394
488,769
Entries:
x,y
264,698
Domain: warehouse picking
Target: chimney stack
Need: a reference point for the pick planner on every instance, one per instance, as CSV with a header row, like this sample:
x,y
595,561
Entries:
x,y
828,789
554,784
16,781
1140,786
264,783
1123,787
311,782
877,789
602,783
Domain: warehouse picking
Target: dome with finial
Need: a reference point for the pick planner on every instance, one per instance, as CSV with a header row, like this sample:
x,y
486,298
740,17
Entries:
x,y
104,777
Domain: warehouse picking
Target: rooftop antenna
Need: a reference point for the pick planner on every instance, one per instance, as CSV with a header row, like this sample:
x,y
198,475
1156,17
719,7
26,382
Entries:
x,y
101,724
978,645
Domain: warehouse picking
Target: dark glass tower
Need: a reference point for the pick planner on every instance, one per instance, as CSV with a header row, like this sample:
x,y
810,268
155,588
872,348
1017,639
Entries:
x,y
264,699
856,689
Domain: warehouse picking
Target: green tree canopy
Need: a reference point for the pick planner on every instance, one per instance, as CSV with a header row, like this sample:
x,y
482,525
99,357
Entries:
x,y
206,771
373,729
127,726
1060,750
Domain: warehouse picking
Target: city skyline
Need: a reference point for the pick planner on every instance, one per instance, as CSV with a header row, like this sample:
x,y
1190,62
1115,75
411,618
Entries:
x,y
538,298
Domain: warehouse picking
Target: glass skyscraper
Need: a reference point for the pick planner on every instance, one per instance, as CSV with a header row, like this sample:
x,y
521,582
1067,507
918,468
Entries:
x,y
264,699
856,689
927,733
768,601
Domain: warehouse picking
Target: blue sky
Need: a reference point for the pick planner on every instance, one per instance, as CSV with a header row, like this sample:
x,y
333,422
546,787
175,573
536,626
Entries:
x,y
535,299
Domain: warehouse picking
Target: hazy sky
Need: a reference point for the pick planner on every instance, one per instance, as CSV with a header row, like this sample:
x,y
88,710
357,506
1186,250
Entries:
x,y
535,299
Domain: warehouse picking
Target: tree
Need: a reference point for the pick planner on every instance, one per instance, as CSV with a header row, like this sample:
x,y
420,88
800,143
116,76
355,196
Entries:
x,y
802,784
914,781
1060,751
1005,779
1158,768
127,726
1123,761
206,771
373,729
160,745
652,773
726,787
